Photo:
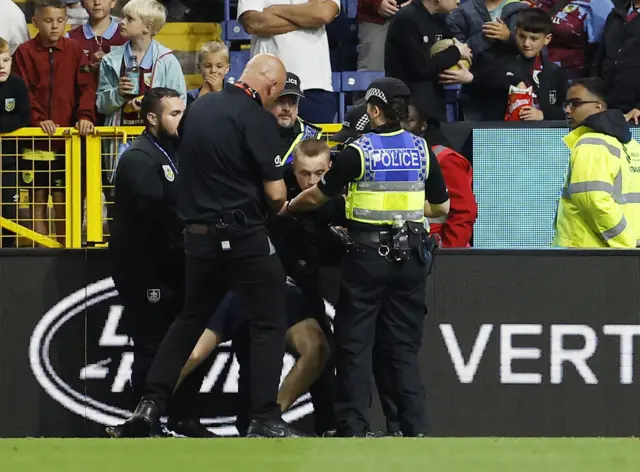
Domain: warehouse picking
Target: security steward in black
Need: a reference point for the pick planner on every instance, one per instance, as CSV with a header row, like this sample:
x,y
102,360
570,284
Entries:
x,y
293,129
147,252
230,171
394,182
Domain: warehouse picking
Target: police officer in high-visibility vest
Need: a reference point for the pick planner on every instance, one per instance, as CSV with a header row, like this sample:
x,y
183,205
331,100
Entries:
x,y
394,182
600,203
293,129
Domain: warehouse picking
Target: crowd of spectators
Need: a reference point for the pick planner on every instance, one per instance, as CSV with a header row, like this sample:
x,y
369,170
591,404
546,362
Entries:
x,y
505,60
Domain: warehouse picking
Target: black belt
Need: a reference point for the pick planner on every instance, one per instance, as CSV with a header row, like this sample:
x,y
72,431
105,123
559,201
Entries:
x,y
204,230
372,237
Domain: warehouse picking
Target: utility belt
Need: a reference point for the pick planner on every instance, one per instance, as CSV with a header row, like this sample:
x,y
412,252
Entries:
x,y
220,231
398,244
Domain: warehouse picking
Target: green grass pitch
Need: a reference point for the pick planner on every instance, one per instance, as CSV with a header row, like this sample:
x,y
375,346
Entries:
x,y
320,455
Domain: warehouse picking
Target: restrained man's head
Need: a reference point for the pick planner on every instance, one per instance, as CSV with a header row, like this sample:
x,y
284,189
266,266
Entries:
x,y
265,74
162,109
285,108
311,160
585,97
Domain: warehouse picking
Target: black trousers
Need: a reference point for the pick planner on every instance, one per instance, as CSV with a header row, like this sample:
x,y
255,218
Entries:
x,y
150,306
381,304
253,269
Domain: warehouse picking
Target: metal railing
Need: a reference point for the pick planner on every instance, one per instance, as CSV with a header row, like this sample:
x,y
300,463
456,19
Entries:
x,y
45,180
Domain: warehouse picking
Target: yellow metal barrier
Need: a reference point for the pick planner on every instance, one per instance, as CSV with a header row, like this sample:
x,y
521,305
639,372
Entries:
x,y
102,150
44,178
41,188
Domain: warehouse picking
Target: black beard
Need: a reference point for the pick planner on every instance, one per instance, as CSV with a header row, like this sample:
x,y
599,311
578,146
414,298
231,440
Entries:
x,y
168,142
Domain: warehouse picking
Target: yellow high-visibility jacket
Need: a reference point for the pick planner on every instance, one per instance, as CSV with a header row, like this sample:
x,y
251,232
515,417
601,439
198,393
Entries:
x,y
600,203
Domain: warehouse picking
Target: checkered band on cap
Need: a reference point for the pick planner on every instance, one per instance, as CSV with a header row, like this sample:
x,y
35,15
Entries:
x,y
362,123
375,92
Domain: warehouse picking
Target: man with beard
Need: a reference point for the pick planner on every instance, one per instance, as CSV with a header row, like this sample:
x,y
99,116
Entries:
x,y
293,129
147,252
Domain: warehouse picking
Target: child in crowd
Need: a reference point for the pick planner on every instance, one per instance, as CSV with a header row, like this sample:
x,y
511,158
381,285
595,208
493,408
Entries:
x,y
213,63
76,14
62,94
531,68
100,33
15,113
119,97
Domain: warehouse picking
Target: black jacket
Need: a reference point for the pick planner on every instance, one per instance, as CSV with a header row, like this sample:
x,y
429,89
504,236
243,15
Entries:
x,y
490,87
15,113
412,32
617,59
146,232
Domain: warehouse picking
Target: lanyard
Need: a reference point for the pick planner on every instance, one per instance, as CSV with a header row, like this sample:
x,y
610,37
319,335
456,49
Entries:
x,y
171,163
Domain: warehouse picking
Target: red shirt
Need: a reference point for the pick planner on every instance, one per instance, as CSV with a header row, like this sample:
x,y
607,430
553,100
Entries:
x,y
90,43
61,86
456,229
368,12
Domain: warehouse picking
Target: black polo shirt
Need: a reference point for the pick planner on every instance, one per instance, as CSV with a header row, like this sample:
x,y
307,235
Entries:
x,y
229,145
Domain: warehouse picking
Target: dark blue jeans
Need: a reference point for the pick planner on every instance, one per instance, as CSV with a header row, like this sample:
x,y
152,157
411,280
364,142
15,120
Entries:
x,y
318,106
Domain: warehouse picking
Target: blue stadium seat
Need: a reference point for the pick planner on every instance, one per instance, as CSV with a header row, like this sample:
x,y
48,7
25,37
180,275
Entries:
x,y
233,31
336,80
342,28
352,8
358,81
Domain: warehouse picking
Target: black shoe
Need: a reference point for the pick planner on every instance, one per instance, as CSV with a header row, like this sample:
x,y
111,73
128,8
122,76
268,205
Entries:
x,y
145,422
115,431
190,428
272,429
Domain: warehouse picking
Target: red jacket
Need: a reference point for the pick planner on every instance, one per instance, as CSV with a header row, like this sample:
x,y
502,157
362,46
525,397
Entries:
x,y
456,229
368,12
61,86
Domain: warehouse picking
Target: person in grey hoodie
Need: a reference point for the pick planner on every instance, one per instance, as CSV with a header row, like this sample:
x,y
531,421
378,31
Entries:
x,y
487,26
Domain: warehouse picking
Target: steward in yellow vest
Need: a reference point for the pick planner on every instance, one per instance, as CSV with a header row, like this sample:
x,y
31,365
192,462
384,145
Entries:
x,y
393,181
600,203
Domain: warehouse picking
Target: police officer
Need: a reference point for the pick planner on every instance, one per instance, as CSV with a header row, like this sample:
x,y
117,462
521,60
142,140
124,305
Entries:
x,y
293,129
231,173
394,182
147,252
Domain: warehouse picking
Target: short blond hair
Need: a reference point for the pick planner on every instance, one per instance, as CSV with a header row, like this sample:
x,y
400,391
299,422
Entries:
x,y
4,46
149,11
212,47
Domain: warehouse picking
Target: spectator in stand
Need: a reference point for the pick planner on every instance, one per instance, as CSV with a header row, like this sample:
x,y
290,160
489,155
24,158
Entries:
x,y
13,25
143,19
530,67
374,17
577,29
100,33
15,113
412,32
76,14
487,26
456,228
296,34
617,60
62,94
213,64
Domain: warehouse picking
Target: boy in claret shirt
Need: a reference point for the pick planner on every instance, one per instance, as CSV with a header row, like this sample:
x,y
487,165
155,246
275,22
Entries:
x,y
116,97
213,64
100,33
62,94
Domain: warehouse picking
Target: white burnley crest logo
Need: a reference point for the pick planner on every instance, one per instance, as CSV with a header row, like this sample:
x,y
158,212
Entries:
x,y
97,389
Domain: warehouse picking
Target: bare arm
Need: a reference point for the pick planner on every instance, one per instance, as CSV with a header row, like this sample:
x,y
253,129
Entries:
x,y
276,192
265,23
313,14
434,211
